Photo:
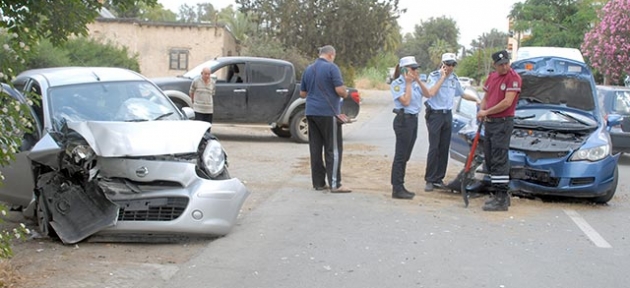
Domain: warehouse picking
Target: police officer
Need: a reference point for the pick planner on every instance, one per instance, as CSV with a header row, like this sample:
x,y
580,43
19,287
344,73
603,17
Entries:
x,y
443,86
502,87
406,91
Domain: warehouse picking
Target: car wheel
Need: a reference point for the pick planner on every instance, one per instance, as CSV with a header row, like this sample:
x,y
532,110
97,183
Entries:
x,y
610,193
43,217
281,132
299,127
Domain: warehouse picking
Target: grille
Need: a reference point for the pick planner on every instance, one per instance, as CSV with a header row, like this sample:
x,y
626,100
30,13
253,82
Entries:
x,y
582,181
545,155
152,209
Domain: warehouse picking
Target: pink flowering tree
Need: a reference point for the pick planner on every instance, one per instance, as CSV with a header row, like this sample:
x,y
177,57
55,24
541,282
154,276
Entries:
x,y
607,44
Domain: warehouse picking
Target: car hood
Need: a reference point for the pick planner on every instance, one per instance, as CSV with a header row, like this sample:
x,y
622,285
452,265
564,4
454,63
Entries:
x,y
556,81
116,139
127,139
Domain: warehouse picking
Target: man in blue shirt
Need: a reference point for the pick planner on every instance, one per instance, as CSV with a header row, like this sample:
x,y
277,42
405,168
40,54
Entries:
x,y
323,86
443,86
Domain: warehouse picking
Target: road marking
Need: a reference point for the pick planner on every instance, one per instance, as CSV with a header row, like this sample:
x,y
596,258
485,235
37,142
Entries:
x,y
597,239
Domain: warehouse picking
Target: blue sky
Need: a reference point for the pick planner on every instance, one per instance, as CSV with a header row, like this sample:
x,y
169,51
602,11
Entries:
x,y
493,13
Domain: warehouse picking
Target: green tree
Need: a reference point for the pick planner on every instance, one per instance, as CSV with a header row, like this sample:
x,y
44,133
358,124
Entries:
x,y
560,23
358,29
427,35
606,45
239,23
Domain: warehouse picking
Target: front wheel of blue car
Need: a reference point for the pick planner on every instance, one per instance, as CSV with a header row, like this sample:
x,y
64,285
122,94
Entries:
x,y
610,193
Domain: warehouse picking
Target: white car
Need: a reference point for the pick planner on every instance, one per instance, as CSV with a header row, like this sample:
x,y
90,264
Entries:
x,y
466,82
111,154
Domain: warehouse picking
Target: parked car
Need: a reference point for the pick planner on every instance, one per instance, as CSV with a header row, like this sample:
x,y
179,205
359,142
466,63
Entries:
x,y
111,154
615,102
466,81
255,91
390,75
560,145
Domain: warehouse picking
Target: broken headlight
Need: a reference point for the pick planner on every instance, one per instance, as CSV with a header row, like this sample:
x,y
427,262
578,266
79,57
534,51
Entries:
x,y
213,158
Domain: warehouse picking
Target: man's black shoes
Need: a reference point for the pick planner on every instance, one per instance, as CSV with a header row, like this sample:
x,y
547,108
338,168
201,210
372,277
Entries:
x,y
402,194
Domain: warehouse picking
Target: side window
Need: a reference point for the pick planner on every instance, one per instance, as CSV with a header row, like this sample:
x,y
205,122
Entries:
x,y
232,73
266,73
622,102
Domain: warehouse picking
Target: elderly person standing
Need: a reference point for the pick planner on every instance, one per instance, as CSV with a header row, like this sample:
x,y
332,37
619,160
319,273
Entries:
x,y
443,86
201,93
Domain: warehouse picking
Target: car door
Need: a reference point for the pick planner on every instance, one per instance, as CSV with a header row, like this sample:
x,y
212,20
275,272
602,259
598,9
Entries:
x,y
271,86
230,95
17,187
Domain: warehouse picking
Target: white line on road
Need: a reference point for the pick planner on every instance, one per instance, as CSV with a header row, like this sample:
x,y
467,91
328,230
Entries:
x,y
597,239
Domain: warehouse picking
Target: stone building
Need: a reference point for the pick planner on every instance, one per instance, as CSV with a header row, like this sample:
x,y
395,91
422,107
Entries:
x,y
166,48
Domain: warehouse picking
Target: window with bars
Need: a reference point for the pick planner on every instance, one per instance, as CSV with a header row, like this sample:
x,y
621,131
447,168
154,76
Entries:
x,y
178,59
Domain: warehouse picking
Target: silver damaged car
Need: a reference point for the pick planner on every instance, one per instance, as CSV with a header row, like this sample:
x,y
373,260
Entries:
x,y
112,156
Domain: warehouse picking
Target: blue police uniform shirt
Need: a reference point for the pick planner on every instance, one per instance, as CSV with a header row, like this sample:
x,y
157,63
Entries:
x,y
451,87
319,81
398,89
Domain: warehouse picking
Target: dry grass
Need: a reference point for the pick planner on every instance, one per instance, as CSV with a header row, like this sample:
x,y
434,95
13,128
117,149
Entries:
x,y
9,277
365,83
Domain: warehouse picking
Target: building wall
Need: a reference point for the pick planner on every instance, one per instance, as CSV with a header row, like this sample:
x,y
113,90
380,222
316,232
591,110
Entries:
x,y
153,42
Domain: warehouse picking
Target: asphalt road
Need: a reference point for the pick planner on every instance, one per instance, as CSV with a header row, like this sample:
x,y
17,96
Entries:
x,y
292,236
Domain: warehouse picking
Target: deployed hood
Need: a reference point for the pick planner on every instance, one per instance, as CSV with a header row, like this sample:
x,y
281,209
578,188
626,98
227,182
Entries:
x,y
116,139
556,81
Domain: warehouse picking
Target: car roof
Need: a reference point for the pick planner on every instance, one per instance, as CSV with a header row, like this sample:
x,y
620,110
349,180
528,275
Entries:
x,y
60,76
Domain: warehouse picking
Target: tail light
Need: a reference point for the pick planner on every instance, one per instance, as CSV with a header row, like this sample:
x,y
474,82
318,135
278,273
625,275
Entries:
x,y
355,96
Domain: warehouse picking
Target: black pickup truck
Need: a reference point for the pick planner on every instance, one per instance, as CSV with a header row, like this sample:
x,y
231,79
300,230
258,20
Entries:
x,y
254,91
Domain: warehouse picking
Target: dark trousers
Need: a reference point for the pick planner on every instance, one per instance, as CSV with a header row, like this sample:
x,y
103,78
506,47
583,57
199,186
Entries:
x,y
496,146
406,129
324,136
207,117
439,126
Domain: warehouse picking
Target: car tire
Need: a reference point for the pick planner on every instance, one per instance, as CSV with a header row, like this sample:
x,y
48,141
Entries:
x,y
43,217
610,193
299,127
281,132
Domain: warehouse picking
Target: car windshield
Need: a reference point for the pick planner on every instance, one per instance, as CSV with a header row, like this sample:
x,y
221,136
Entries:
x,y
110,101
553,119
194,72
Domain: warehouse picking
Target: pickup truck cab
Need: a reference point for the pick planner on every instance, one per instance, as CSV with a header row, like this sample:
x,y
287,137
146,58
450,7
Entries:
x,y
254,91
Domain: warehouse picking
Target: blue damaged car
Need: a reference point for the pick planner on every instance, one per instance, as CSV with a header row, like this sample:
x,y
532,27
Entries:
x,y
560,145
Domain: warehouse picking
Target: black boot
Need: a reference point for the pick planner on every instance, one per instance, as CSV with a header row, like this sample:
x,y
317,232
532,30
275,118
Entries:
x,y
497,203
402,193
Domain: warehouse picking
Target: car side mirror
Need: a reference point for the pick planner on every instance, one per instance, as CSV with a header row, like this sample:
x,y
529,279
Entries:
x,y
189,112
613,120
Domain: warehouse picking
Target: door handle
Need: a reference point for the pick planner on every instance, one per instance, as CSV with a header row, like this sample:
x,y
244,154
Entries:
x,y
240,90
282,90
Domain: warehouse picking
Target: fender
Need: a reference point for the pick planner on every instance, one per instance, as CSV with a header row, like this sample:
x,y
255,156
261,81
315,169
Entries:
x,y
178,95
284,120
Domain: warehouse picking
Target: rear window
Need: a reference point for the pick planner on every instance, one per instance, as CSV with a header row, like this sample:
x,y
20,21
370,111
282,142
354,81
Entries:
x,y
621,102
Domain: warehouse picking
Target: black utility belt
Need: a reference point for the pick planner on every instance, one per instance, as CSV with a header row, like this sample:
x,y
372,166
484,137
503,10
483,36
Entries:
x,y
439,111
402,112
498,119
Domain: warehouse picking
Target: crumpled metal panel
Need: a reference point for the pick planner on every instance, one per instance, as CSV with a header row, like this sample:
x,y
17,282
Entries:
x,y
119,139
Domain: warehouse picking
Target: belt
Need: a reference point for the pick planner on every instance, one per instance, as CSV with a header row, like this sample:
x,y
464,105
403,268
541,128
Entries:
x,y
402,112
439,111
498,119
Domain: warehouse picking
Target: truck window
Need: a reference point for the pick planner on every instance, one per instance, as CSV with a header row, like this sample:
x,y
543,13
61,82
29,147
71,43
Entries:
x,y
266,73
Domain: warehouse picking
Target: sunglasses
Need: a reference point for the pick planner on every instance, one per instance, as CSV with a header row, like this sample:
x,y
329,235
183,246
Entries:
x,y
414,68
452,64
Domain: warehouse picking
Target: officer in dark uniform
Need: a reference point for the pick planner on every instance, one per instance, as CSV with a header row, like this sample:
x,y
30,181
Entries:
x,y
443,86
502,87
406,91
